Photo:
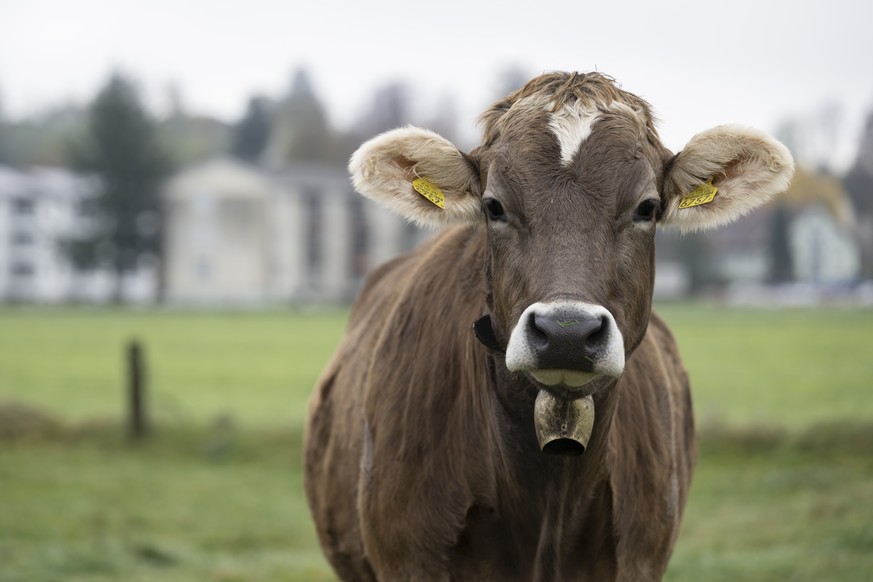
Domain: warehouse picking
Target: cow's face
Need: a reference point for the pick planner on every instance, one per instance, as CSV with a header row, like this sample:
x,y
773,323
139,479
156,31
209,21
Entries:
x,y
570,182
571,194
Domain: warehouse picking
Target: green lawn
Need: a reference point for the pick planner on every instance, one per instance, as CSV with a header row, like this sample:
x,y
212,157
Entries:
x,y
256,367
215,505
783,489
788,368
785,511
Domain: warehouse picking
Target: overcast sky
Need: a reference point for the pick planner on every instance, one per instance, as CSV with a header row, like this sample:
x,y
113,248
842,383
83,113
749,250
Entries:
x,y
699,63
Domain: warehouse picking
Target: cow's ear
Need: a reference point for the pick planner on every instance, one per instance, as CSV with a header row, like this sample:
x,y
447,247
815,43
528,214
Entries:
x,y
722,174
419,175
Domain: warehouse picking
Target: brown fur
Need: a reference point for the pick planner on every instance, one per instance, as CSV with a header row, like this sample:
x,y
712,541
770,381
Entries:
x,y
556,90
421,457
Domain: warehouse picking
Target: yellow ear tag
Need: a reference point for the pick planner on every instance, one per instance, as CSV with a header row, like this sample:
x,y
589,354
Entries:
x,y
430,191
703,194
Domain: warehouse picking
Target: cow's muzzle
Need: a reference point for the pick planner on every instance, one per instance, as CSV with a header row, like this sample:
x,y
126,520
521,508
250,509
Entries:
x,y
567,343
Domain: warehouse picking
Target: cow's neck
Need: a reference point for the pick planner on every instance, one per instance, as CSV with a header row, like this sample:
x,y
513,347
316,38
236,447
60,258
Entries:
x,y
514,400
551,495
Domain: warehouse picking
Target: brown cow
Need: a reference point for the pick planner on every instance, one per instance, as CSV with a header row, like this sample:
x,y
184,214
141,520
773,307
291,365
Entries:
x,y
425,448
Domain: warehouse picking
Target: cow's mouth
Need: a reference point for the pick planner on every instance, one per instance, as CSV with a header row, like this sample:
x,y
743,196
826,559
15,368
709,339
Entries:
x,y
571,378
569,384
563,426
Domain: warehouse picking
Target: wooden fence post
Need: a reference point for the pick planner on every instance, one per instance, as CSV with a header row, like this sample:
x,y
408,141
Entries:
x,y
136,391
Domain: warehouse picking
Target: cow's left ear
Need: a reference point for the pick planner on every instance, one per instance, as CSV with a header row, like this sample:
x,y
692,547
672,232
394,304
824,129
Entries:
x,y
722,174
420,175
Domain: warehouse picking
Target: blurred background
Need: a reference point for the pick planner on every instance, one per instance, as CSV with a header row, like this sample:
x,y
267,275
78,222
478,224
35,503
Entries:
x,y
179,244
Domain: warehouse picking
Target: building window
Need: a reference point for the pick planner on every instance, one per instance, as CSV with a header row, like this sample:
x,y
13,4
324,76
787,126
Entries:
x,y
314,216
21,269
22,239
23,206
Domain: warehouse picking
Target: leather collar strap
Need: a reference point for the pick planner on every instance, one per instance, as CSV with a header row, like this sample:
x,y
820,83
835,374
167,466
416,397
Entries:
x,y
484,332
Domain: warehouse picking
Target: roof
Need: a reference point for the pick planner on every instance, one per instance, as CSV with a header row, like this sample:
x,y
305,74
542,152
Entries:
x,y
221,175
43,182
229,176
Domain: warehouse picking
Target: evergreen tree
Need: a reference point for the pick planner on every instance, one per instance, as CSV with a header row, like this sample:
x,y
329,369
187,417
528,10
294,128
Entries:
x,y
510,79
302,133
42,138
389,110
4,155
695,253
859,180
444,119
781,259
251,134
858,183
121,150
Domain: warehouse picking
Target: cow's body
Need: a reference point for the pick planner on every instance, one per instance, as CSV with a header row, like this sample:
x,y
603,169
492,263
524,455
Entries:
x,y
422,454
453,477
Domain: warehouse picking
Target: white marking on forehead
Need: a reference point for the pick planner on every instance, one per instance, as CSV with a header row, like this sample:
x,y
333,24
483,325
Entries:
x,y
572,125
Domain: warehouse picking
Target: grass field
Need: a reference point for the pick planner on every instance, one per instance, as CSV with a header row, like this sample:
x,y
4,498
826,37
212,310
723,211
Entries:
x,y
257,367
783,489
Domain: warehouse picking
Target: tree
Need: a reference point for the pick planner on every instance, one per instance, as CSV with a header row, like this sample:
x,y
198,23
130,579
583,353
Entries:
x,y
189,137
252,133
302,133
694,251
121,150
859,180
443,120
388,110
3,147
814,137
42,138
781,258
858,183
511,79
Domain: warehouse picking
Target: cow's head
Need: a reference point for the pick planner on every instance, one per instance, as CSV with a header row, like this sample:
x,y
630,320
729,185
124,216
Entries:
x,y
571,180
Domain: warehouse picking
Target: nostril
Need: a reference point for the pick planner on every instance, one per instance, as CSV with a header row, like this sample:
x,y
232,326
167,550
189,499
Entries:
x,y
537,327
566,332
597,334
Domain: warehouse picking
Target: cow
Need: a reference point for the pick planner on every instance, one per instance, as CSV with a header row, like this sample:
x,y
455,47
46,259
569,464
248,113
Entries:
x,y
504,404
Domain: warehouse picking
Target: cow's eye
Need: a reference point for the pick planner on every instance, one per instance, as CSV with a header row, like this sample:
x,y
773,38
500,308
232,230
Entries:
x,y
494,209
647,210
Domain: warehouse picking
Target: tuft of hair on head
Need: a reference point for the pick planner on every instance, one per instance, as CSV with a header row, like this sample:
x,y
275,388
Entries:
x,y
554,91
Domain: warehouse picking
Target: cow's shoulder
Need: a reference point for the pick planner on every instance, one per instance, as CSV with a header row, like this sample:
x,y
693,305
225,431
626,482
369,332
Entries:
x,y
658,349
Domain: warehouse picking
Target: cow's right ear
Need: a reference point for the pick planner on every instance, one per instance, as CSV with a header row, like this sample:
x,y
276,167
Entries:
x,y
419,175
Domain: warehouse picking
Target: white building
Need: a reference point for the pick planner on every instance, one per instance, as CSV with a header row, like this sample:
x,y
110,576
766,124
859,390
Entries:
x,y
39,209
239,234
820,233
824,250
